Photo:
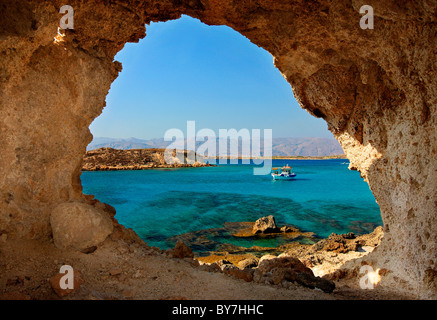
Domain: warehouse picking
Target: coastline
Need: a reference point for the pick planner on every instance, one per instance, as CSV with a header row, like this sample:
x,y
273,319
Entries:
x,y
341,157
140,167
109,159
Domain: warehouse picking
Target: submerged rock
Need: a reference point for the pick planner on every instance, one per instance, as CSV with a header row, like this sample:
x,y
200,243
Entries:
x,y
288,229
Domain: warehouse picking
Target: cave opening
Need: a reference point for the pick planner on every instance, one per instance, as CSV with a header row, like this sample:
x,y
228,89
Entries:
x,y
376,101
185,70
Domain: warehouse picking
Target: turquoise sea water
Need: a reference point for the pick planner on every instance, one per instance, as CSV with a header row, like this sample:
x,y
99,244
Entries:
x,y
324,198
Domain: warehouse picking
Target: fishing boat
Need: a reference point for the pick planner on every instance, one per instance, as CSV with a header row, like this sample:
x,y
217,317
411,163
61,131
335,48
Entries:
x,y
285,174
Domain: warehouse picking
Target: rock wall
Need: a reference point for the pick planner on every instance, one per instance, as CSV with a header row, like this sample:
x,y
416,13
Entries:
x,y
376,89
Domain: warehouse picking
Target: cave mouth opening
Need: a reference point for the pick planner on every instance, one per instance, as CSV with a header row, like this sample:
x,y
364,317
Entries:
x,y
211,72
375,100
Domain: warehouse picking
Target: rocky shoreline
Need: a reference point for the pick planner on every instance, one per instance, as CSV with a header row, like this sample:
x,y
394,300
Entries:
x,y
124,267
109,159
312,264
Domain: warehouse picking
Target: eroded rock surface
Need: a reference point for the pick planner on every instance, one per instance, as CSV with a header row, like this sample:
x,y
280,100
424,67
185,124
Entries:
x,y
79,226
376,89
289,269
265,225
181,251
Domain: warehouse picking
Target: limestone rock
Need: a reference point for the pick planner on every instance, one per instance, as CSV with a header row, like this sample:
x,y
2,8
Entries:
x,y
265,225
181,251
226,268
248,263
223,262
348,242
79,226
291,269
266,257
337,244
288,229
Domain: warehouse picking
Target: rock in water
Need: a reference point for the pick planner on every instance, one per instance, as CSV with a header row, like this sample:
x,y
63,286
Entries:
x,y
265,225
79,226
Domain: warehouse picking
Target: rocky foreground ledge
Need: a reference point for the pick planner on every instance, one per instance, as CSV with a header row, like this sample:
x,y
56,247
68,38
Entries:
x,y
124,267
310,265
109,159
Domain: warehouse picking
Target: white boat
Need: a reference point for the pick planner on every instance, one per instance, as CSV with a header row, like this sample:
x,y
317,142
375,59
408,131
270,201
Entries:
x,y
285,174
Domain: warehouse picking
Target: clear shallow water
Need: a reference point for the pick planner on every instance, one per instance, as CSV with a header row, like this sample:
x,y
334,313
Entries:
x,y
324,198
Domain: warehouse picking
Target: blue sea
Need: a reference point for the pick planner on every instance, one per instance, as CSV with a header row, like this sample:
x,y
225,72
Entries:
x,y
159,204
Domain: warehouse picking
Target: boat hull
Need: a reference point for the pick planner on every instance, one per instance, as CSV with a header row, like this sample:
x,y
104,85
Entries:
x,y
284,177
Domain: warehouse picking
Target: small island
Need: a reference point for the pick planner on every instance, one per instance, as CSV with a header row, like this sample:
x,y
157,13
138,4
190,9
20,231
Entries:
x,y
109,159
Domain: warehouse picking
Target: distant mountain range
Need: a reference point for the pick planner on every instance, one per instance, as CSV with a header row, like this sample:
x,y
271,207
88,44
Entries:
x,y
281,147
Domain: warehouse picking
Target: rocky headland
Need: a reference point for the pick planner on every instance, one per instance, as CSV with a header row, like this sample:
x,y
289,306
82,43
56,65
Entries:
x,y
109,159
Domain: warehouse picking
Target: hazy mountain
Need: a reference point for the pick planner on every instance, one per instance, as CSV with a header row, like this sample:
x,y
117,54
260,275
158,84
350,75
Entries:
x,y
125,144
307,147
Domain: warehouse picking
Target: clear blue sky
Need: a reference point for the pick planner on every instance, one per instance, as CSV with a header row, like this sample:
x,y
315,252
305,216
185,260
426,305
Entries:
x,y
185,70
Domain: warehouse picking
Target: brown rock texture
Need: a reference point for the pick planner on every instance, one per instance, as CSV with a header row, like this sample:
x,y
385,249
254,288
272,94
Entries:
x,y
289,269
376,89
55,283
338,243
14,296
79,226
181,251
